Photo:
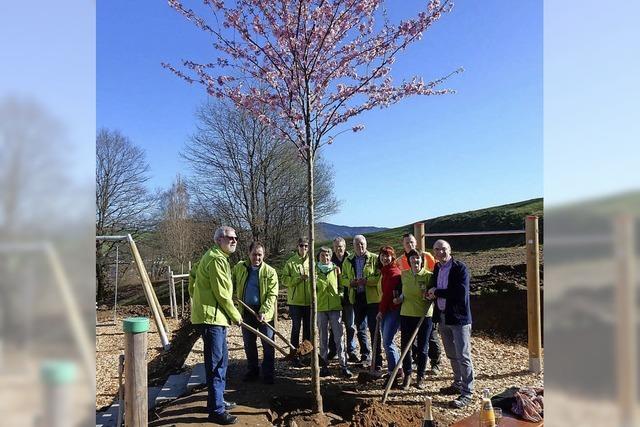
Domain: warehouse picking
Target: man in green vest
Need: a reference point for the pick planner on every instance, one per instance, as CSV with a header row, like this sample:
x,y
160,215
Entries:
x,y
212,312
256,284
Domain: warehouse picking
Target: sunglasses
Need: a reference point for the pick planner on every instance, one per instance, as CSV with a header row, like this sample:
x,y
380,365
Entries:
x,y
231,238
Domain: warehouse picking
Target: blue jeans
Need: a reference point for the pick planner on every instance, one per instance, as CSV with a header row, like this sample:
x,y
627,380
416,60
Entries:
x,y
216,359
408,325
349,323
390,325
251,349
367,313
300,314
457,346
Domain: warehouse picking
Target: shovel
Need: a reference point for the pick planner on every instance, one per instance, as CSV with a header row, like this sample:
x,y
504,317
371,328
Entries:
x,y
405,350
264,337
370,375
305,348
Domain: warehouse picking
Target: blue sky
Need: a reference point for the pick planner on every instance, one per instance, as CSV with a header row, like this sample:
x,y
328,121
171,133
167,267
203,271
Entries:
x,y
420,158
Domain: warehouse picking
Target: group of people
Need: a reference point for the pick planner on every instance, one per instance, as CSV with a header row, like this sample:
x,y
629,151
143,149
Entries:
x,y
416,293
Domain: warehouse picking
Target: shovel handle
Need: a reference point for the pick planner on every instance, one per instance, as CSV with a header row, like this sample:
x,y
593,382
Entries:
x,y
250,310
264,337
405,350
376,338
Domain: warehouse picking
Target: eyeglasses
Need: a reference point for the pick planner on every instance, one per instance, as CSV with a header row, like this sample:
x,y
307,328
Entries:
x,y
232,238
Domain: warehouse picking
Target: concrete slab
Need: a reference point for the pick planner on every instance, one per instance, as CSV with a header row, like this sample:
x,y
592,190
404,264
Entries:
x,y
175,387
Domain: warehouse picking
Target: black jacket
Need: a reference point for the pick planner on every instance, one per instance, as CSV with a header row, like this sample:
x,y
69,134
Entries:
x,y
457,310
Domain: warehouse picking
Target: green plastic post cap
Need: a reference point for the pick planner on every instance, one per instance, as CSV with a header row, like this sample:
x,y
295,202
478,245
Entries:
x,y
135,325
58,371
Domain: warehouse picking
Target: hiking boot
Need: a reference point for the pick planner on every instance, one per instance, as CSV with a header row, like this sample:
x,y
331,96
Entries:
x,y
332,355
420,384
324,372
223,419
229,405
250,376
296,363
322,362
353,358
346,373
406,382
460,402
449,390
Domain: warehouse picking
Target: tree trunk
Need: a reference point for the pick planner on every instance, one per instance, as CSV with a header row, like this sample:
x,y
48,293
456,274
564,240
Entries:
x,y
315,368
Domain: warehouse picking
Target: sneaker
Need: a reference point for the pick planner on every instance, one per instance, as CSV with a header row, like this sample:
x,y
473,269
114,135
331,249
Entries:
x,y
250,376
346,373
435,370
332,355
420,384
324,372
229,405
460,402
353,358
449,390
223,419
406,382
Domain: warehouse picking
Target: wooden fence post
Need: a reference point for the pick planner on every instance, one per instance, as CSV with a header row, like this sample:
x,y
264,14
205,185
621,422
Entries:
x,y
58,377
625,306
135,371
418,233
533,294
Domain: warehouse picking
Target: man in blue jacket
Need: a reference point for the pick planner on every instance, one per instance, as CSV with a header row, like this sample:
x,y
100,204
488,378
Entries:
x,y
450,289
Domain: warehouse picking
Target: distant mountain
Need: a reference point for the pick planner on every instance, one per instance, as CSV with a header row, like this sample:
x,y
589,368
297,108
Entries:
x,y
328,231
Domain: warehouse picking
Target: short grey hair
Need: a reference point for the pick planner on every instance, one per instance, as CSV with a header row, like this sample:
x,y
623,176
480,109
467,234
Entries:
x,y
339,240
359,237
221,232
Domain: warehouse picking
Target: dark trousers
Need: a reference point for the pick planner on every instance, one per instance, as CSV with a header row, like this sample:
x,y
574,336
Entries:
x,y
350,326
367,313
407,327
251,348
216,360
300,314
434,346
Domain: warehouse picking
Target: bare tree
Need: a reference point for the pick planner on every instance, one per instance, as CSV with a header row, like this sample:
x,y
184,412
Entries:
x,y
246,176
176,226
122,198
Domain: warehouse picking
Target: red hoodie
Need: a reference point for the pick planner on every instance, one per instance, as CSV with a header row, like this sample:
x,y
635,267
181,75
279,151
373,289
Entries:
x,y
390,282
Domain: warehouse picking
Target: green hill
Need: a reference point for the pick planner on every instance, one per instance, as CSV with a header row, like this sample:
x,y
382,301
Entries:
x,y
503,217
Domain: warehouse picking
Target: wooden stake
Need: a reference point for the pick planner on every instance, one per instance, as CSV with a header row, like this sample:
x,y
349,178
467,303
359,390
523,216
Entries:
x,y
533,294
626,359
169,281
158,316
135,371
418,233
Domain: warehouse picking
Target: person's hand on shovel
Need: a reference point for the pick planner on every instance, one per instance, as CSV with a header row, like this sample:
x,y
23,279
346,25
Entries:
x,y
379,316
261,317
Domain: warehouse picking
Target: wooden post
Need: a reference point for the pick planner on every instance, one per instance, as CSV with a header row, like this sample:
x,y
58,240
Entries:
x,y
172,290
418,232
152,300
135,371
58,377
533,294
169,280
626,359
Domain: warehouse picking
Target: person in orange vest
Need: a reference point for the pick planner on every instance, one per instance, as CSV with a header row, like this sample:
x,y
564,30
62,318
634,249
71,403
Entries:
x,y
409,244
